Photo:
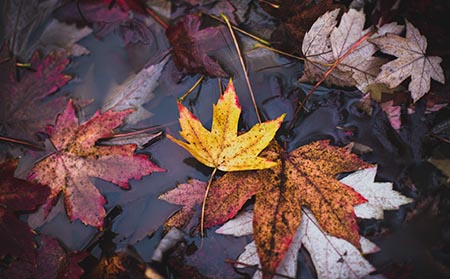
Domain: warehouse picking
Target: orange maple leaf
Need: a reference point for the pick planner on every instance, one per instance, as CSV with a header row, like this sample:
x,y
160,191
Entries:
x,y
303,177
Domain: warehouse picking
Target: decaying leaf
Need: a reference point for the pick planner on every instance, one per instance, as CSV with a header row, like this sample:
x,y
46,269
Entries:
x,y
134,92
16,238
296,17
411,62
190,196
325,43
24,107
53,262
380,196
191,45
77,158
303,177
333,257
221,147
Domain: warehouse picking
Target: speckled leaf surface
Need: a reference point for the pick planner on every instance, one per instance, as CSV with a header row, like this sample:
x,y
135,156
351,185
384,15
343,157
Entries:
x,y
190,196
221,147
77,158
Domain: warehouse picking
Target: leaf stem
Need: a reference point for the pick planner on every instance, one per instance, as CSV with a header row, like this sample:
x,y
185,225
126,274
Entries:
x,y
256,38
335,64
273,5
241,59
22,142
138,132
197,83
202,220
280,52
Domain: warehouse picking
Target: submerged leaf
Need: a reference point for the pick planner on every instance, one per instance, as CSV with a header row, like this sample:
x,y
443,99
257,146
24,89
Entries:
x,y
53,262
221,147
134,92
191,45
77,158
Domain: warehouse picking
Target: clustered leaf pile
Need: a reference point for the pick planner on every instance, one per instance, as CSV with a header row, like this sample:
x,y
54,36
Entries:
x,y
295,196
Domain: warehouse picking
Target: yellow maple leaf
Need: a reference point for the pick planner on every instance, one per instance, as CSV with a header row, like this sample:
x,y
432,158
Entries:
x,y
221,148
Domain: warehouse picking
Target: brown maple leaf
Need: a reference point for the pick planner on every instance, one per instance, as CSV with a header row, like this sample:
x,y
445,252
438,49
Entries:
x,y
25,108
77,158
303,177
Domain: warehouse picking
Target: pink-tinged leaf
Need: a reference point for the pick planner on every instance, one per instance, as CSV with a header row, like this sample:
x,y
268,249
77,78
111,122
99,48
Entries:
x,y
190,196
16,238
53,262
77,158
25,110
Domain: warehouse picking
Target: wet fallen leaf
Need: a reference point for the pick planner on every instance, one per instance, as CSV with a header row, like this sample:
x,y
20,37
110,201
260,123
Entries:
x,y
53,262
296,18
333,257
380,196
16,238
77,158
191,45
411,62
25,107
134,92
221,147
307,172
325,43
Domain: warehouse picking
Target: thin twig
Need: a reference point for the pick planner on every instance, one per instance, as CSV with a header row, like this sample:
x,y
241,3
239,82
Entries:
x,y
202,220
233,262
256,38
157,18
22,142
335,64
440,138
197,83
280,52
273,5
241,59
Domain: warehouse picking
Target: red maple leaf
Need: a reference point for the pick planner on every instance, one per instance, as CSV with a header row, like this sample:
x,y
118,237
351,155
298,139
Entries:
x,y
77,158
191,45
16,238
